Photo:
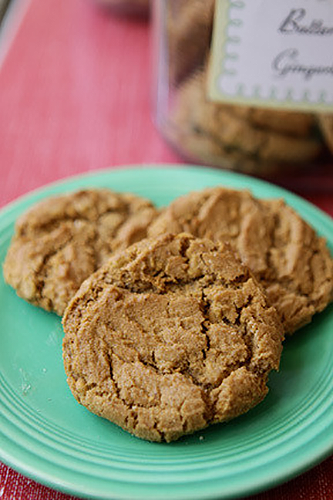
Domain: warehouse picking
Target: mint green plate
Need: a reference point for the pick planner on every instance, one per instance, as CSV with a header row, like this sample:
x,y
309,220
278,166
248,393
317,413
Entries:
x,y
47,435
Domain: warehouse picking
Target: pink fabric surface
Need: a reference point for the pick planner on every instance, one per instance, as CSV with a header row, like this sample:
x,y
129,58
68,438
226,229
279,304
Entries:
x,y
75,97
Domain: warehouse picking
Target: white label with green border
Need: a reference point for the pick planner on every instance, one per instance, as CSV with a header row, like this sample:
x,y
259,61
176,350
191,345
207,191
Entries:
x,y
275,53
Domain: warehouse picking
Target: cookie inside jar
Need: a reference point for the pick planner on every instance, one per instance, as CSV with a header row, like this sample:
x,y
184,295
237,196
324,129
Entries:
x,y
257,140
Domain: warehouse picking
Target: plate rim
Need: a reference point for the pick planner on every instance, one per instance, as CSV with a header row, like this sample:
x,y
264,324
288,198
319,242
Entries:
x,y
42,191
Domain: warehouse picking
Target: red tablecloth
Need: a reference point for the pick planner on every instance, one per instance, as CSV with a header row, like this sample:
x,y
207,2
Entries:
x,y
75,97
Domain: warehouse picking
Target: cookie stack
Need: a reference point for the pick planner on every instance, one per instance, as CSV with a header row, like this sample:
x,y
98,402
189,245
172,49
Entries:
x,y
260,141
173,318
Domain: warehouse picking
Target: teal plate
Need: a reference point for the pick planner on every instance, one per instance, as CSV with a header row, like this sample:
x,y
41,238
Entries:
x,y
48,436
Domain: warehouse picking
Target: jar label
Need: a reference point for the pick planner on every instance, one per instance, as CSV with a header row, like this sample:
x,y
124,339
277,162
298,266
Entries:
x,y
274,53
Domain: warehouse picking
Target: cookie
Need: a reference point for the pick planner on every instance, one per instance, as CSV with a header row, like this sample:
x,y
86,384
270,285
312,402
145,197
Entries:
x,y
326,127
60,241
242,138
188,21
287,257
169,336
294,123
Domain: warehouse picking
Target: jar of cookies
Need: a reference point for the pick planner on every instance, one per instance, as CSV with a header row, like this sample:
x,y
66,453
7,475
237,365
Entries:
x,y
126,7
246,86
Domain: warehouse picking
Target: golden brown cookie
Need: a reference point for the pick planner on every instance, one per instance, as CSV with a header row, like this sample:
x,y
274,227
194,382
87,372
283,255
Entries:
x,y
62,240
239,137
189,31
169,336
326,126
294,123
285,254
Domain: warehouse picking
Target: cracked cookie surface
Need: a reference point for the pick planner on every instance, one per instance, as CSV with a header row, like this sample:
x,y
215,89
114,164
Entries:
x,y
288,258
61,240
169,336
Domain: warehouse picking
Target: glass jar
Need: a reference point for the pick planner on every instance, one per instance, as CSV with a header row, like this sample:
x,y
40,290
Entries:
x,y
250,139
